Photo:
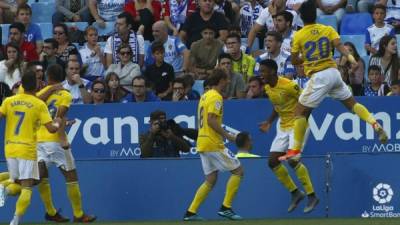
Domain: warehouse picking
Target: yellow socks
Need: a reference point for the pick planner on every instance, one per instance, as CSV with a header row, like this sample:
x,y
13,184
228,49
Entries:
x,y
304,177
201,194
23,201
231,189
45,195
300,127
283,176
74,195
363,113
13,189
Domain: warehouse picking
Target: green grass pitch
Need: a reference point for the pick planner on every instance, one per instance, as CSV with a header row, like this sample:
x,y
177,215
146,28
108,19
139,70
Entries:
x,y
258,222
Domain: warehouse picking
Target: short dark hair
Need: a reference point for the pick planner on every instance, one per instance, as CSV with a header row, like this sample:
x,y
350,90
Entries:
x,y
17,25
308,11
97,82
55,73
224,56
234,27
256,78
155,115
288,16
188,79
242,138
271,64
277,36
375,68
378,6
395,82
180,80
128,18
24,6
157,46
140,77
234,35
216,76
51,41
209,26
28,80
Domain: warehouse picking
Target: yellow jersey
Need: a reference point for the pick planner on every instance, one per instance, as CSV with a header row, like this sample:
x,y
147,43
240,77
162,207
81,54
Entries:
x,y
55,100
284,98
245,66
24,113
314,42
208,139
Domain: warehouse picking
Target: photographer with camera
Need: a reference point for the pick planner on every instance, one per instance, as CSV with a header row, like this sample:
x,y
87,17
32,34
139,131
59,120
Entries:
x,y
164,139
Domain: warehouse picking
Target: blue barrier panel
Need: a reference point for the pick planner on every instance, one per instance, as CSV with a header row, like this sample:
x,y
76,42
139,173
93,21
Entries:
x,y
112,130
163,189
365,185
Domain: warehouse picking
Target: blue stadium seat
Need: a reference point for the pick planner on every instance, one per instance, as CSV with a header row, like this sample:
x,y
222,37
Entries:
x,y
47,30
80,25
329,20
198,86
355,23
4,34
357,40
42,12
106,31
256,44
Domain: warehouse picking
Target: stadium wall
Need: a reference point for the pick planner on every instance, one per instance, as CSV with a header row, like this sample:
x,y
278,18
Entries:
x,y
349,185
111,131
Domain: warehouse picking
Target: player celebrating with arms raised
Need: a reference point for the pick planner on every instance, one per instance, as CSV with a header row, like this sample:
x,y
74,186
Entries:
x,y
24,114
312,46
283,94
214,156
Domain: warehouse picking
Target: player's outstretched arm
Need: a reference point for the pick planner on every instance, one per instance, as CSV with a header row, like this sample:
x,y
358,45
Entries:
x,y
212,121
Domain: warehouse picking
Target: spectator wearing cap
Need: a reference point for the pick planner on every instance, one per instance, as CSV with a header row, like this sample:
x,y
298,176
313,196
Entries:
x,y
191,29
160,74
71,11
176,52
16,34
33,34
140,92
204,52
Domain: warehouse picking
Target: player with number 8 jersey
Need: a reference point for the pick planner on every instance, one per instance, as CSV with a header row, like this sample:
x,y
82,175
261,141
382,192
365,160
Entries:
x,y
213,154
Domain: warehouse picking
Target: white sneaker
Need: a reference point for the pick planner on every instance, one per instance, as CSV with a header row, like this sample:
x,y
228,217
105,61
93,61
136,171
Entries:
x,y
3,195
15,220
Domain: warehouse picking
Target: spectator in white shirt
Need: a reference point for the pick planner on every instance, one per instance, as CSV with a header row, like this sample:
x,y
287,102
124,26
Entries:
x,y
376,31
92,55
77,86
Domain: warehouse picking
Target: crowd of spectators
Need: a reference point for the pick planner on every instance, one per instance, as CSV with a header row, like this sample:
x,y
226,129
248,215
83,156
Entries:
x,y
160,48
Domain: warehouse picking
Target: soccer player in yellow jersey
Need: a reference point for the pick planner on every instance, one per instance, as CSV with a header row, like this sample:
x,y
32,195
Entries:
x,y
24,113
283,94
52,149
312,46
210,145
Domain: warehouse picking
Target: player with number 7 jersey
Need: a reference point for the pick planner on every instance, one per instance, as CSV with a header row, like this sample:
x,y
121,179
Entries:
x,y
312,47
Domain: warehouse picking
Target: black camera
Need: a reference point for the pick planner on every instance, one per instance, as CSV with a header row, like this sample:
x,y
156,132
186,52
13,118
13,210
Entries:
x,y
164,125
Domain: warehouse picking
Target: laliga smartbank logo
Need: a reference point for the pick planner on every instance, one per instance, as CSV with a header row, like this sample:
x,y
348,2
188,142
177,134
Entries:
x,y
382,194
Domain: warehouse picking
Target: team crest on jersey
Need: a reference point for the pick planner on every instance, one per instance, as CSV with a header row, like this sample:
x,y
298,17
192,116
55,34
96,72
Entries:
x,y
218,105
170,47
